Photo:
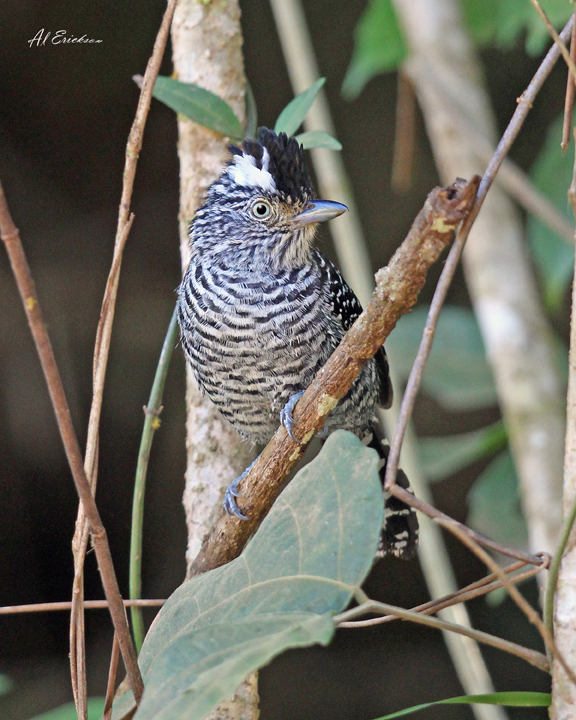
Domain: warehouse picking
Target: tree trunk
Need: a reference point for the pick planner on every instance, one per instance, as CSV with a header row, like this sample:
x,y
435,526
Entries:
x,y
563,690
207,51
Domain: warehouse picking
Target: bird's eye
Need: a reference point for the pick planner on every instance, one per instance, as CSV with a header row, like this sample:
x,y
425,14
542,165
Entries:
x,y
261,209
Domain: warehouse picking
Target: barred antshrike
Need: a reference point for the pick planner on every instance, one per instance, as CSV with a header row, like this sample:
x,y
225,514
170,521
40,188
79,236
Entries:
x,y
261,310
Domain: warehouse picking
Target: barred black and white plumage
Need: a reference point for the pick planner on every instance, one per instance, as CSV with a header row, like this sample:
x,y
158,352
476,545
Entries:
x,y
261,309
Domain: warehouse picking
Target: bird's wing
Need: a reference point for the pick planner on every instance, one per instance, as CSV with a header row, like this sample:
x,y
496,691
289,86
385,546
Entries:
x,y
347,309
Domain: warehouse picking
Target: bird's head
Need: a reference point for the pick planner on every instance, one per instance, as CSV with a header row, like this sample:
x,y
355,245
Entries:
x,y
262,207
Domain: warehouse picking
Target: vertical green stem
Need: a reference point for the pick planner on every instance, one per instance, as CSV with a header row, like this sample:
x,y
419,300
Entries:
x,y
555,567
151,423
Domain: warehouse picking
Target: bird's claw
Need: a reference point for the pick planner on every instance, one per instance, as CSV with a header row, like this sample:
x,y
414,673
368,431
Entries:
x,y
286,419
232,493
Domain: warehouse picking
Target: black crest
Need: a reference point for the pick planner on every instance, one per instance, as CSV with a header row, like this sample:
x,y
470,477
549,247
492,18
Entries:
x,y
286,165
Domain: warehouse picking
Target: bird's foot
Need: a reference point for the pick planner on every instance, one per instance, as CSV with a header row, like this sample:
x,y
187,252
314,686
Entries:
x,y
232,493
286,419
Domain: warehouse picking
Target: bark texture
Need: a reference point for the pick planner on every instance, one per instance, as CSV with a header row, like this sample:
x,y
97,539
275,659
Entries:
x,y
518,339
207,51
563,690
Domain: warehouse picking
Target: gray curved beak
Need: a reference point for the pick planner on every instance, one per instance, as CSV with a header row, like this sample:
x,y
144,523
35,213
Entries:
x,y
318,211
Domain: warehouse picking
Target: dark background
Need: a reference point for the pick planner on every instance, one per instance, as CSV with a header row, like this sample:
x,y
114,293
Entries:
x,y
65,114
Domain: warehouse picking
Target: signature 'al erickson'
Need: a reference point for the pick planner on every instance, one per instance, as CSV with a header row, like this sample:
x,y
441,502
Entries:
x,y
59,38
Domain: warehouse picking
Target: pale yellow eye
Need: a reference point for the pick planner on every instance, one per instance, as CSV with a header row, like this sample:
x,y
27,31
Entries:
x,y
261,209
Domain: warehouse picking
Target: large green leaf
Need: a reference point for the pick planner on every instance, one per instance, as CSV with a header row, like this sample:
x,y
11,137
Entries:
x,y
494,503
310,553
554,257
318,139
457,374
294,113
68,711
199,105
379,47
502,22
203,667
444,456
509,699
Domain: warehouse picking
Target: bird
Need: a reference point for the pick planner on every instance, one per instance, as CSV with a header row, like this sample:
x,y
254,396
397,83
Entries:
x,y
261,310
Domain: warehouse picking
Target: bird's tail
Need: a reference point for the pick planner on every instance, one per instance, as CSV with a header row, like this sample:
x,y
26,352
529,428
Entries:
x,y
400,528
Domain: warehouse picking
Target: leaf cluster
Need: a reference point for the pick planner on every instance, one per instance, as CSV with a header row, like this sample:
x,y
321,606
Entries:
x,y
211,111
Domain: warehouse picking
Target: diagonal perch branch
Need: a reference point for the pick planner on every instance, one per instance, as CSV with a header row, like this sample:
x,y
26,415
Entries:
x,y
396,292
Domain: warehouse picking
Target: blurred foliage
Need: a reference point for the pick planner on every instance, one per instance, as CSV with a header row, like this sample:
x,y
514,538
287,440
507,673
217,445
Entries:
x,y
444,456
312,551
494,503
380,45
457,374
458,377
551,173
503,22
6,684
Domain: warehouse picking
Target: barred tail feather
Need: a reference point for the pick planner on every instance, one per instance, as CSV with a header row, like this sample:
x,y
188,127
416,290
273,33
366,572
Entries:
x,y
400,528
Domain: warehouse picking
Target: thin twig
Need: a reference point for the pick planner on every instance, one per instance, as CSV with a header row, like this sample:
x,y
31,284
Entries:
x,y
21,270
515,594
371,606
67,605
519,186
471,593
102,344
405,134
482,540
557,39
109,700
569,100
151,424
514,126
396,292
510,177
474,590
